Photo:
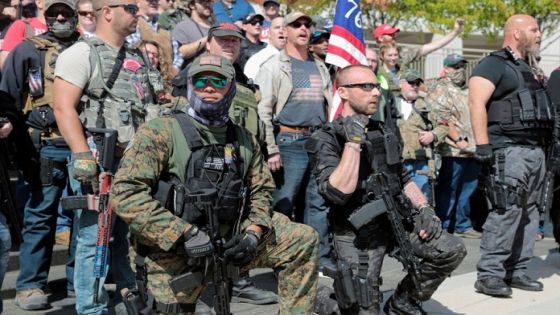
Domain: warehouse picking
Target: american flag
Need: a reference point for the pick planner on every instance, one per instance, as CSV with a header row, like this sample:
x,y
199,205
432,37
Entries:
x,y
346,44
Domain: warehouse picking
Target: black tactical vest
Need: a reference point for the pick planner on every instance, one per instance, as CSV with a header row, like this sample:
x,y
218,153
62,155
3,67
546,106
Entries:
x,y
525,116
209,166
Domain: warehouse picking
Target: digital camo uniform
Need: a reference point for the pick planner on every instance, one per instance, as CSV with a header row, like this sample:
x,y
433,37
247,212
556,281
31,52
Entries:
x,y
420,159
439,256
159,146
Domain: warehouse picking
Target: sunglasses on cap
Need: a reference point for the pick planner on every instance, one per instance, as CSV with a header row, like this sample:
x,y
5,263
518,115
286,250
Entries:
x,y
368,87
130,8
298,24
215,81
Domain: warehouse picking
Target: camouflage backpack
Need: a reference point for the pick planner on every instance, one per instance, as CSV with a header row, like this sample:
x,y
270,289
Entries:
x,y
243,111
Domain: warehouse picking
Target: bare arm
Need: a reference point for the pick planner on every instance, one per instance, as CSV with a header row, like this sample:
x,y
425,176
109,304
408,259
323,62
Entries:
x,y
345,176
480,91
437,44
66,97
415,195
191,49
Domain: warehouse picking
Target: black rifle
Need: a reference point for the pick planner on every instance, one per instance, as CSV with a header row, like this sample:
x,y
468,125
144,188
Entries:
x,y
222,273
8,203
397,212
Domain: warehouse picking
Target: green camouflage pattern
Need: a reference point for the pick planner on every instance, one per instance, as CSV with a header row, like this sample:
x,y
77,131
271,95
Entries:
x,y
451,103
410,128
168,19
158,147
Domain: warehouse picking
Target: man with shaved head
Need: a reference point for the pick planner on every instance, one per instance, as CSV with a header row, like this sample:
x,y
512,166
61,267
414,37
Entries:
x,y
512,120
358,169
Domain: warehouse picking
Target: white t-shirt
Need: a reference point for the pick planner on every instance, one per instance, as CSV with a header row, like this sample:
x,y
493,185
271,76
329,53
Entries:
x,y
255,62
73,65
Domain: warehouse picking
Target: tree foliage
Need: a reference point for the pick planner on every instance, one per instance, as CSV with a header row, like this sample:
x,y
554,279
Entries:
x,y
486,16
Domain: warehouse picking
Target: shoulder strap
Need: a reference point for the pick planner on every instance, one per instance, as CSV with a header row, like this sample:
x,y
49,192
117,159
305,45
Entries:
x,y
28,29
194,141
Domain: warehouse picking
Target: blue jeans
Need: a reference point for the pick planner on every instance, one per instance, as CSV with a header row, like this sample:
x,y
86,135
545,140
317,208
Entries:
x,y
65,217
418,169
457,181
40,222
5,245
291,178
84,279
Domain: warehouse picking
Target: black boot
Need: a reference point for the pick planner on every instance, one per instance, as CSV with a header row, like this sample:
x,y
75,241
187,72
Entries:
x,y
493,286
245,291
401,303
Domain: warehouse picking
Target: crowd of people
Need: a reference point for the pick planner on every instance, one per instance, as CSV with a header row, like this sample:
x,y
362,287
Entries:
x,y
204,125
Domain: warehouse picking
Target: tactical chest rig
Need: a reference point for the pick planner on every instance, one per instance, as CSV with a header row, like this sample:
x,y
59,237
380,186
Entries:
x,y
526,108
216,166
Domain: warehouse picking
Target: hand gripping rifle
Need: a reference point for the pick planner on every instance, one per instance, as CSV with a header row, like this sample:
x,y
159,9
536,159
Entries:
x,y
104,141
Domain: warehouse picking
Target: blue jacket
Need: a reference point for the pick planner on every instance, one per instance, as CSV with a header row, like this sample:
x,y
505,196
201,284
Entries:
x,y
240,9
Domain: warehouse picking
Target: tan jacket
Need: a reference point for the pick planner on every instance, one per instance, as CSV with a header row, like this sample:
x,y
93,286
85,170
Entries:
x,y
275,82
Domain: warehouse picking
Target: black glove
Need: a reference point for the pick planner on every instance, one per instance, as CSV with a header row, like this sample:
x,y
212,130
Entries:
x,y
241,249
355,127
197,243
428,221
484,154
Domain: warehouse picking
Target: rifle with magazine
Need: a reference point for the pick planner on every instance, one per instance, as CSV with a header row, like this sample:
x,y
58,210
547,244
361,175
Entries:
x,y
102,142
8,204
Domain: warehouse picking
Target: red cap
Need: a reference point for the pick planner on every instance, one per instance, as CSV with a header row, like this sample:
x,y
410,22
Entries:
x,y
384,29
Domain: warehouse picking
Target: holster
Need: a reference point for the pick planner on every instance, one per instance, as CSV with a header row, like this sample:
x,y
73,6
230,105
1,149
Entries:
x,y
343,285
134,303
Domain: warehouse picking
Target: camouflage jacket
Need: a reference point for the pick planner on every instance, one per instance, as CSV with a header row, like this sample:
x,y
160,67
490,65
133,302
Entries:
x,y
410,127
451,104
159,146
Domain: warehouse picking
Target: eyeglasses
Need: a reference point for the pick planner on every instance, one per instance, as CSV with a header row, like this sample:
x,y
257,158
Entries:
x,y
85,13
55,12
298,24
415,83
130,8
255,22
368,87
461,65
202,82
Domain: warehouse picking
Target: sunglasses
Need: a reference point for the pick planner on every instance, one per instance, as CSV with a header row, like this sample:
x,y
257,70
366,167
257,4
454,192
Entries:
x,y
368,87
298,24
259,22
55,12
85,13
130,8
461,65
415,83
202,82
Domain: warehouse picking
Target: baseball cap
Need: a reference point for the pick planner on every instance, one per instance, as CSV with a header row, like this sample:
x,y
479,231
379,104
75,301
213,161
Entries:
x,y
225,29
212,63
294,16
411,75
317,35
69,3
271,1
384,29
250,17
453,60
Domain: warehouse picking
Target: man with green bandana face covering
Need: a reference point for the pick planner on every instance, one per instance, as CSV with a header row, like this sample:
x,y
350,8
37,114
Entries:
x,y
458,175
27,76
199,151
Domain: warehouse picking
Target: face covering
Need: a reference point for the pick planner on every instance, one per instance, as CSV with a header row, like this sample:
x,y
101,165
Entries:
x,y
63,29
210,114
458,77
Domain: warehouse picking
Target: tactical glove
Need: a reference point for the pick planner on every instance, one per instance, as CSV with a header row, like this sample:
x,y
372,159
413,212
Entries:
x,y
85,167
484,154
197,243
241,249
428,221
355,127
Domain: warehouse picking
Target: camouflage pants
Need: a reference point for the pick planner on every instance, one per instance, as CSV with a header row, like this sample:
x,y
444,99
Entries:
x,y
292,251
439,257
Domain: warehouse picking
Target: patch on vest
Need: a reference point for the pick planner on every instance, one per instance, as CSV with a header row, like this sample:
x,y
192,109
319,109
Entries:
x,y
213,163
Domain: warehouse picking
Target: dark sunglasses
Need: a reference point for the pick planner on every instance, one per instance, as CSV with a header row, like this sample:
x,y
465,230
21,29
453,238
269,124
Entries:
x,y
415,83
255,22
202,82
368,87
85,13
461,65
55,12
298,24
130,8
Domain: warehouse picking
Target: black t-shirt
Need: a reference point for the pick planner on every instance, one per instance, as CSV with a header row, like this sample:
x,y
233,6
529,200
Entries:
x,y
495,70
